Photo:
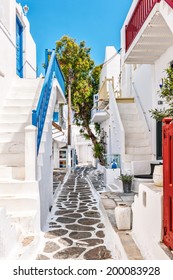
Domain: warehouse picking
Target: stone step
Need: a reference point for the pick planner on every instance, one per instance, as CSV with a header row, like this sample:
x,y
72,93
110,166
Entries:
x,y
138,150
136,135
128,110
6,137
134,129
25,82
19,102
20,188
131,248
12,110
12,160
132,123
133,142
21,93
129,117
15,118
126,106
18,204
12,147
13,127
12,173
137,157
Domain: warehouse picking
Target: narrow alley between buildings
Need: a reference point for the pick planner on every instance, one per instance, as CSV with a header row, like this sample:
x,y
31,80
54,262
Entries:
x,y
77,227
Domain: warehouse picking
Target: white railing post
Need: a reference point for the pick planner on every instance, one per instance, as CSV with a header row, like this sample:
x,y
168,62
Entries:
x,y
31,153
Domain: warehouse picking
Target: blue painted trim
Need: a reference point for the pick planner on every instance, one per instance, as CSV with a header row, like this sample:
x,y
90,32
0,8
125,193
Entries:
x,y
39,115
19,54
58,72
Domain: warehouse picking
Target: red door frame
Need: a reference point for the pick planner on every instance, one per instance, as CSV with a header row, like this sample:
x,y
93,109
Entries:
x,y
167,142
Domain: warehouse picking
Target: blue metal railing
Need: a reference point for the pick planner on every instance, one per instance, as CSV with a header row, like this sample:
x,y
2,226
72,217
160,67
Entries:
x,y
38,116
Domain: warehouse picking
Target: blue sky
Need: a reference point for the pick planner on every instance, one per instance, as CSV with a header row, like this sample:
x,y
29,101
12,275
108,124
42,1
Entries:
x,y
97,22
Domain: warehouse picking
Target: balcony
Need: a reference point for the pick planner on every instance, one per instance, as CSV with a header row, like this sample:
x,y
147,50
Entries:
x,y
147,34
99,116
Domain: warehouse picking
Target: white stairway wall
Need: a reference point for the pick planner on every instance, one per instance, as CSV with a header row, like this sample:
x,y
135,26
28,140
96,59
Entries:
x,y
45,162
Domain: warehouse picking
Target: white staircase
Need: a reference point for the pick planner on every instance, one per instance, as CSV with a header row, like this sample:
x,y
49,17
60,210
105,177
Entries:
x,y
137,145
18,197
15,115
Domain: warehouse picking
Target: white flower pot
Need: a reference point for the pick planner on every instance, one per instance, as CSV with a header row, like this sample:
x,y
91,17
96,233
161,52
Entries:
x,y
158,175
123,217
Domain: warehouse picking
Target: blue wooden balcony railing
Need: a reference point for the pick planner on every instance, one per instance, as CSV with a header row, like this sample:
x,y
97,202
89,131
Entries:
x,y
39,115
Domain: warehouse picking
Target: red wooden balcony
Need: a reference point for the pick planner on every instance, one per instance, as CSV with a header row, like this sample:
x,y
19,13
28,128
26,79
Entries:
x,y
139,16
147,34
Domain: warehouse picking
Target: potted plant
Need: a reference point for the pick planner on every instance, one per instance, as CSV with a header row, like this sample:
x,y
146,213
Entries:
x,y
127,182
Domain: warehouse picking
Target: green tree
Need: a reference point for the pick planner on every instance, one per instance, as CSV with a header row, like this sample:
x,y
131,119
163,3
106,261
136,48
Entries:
x,y
166,94
79,70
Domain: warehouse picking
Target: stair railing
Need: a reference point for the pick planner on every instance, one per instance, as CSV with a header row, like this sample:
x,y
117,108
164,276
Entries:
x,y
141,106
39,115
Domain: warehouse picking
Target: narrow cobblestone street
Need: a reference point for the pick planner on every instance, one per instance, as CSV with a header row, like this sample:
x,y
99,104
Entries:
x,y
76,227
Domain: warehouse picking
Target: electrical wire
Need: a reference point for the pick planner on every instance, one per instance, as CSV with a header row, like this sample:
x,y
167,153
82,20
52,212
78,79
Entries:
x,y
110,59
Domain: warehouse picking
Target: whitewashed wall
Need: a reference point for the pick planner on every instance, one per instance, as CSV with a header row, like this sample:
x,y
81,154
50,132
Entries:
x,y
29,54
7,245
8,47
8,11
45,163
144,80
148,234
82,146
111,66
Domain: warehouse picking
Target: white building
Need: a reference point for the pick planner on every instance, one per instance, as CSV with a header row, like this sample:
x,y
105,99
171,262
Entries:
x,y
146,51
102,110
147,47
82,147
105,113
26,154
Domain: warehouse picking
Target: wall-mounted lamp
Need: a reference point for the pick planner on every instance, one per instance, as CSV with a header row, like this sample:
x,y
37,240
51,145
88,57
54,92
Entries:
x,y
25,9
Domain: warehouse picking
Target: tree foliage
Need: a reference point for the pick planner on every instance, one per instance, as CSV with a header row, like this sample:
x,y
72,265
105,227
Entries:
x,y
80,71
166,95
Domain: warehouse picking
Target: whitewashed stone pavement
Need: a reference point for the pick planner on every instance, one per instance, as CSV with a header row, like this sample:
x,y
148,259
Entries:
x,y
76,227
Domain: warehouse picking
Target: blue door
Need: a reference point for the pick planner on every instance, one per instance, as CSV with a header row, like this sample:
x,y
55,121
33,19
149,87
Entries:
x,y
19,48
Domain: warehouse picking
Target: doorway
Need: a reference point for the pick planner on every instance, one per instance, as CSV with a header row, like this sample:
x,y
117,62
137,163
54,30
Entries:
x,y
19,48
